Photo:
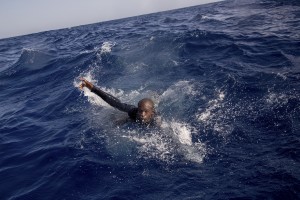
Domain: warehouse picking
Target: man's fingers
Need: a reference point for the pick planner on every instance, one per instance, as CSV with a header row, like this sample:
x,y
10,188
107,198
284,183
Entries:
x,y
82,85
85,83
84,80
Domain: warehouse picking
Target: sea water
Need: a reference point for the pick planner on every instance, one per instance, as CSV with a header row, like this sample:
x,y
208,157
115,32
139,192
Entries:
x,y
225,80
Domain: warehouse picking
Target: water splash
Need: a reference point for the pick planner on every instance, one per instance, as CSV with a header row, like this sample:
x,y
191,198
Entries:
x,y
217,115
106,47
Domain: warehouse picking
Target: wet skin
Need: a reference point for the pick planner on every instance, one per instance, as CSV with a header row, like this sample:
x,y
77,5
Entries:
x,y
145,111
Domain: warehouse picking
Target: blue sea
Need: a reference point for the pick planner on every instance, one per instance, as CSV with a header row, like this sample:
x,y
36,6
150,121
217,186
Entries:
x,y
225,79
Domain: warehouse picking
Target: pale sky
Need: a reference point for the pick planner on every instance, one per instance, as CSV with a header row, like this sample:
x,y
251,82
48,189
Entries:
x,y
21,17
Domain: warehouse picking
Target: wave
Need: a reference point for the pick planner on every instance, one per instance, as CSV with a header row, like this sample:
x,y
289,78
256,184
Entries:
x,y
161,145
225,81
198,17
171,20
29,61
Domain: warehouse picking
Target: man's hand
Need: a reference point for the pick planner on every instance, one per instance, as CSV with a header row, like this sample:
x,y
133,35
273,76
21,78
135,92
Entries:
x,y
85,83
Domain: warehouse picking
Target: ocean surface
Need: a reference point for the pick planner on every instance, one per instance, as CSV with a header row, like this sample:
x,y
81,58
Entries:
x,y
225,78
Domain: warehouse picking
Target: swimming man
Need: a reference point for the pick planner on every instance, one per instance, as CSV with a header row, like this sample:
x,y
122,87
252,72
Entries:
x,y
144,113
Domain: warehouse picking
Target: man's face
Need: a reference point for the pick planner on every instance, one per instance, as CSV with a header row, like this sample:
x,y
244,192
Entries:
x,y
145,112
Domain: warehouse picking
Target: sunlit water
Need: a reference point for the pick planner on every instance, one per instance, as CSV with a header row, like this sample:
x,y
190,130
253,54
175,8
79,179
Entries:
x,y
225,79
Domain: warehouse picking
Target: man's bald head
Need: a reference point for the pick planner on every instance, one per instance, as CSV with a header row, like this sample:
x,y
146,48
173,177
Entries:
x,y
146,110
146,101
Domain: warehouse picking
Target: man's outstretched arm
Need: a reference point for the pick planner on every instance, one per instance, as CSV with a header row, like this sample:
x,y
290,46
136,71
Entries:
x,y
108,98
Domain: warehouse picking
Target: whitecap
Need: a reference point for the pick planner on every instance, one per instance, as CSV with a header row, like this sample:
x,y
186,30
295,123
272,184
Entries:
x,y
172,141
216,116
107,47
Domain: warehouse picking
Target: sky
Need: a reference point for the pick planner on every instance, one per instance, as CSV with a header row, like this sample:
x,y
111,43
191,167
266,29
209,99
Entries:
x,y
21,17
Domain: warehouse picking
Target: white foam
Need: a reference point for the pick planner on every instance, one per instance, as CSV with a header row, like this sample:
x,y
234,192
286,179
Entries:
x,y
183,132
181,87
212,105
93,98
276,99
215,116
175,62
87,51
195,153
282,75
204,116
135,67
130,97
107,47
172,141
153,146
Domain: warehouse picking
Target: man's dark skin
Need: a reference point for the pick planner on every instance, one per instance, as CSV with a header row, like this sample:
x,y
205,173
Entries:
x,y
144,113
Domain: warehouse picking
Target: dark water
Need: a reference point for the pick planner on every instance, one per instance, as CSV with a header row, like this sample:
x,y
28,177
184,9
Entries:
x,y
226,81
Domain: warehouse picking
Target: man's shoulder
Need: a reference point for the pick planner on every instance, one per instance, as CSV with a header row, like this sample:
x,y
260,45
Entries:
x,y
132,113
